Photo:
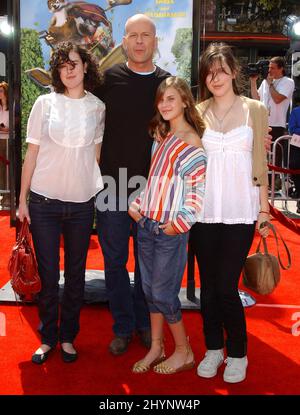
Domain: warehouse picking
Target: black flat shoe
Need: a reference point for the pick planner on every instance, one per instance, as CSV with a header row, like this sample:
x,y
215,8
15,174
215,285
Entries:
x,y
40,358
68,357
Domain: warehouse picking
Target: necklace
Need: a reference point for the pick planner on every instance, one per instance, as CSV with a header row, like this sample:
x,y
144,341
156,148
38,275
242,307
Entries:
x,y
220,120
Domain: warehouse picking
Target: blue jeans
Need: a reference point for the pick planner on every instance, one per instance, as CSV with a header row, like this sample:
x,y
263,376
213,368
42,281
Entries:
x,y
162,260
50,218
128,307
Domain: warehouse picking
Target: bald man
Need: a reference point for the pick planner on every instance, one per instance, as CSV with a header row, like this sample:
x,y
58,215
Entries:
x,y
128,92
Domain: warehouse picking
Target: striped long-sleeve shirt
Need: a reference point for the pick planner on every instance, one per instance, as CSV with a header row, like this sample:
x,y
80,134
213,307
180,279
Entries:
x,y
175,185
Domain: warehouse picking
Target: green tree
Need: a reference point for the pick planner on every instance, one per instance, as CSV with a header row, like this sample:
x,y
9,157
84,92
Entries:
x,y
182,50
269,4
31,57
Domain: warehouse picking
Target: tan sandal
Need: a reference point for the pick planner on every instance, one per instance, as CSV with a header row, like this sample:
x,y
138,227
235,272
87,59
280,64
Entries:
x,y
164,369
142,367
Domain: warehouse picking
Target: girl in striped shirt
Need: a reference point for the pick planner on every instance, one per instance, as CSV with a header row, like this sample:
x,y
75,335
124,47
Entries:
x,y
165,211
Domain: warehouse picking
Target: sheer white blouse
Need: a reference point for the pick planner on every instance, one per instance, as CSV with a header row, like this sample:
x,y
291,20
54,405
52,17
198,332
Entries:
x,y
230,196
66,130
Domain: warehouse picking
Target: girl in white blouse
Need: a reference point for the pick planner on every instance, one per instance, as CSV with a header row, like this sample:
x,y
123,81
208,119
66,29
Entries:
x,y
62,177
235,202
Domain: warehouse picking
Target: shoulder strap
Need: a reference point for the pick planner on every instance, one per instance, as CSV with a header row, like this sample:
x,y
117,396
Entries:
x,y
275,231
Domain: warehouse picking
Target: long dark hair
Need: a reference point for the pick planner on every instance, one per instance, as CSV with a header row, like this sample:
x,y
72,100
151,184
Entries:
x,y
60,55
219,51
192,116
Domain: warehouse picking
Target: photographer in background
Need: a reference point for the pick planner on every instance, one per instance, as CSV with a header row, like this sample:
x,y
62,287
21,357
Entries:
x,y
275,92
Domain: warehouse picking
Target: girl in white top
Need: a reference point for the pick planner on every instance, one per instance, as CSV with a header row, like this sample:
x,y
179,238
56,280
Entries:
x,y
232,207
4,124
62,176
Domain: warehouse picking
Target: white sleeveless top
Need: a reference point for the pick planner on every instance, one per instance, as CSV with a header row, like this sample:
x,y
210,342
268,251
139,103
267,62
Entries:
x,y
66,130
230,196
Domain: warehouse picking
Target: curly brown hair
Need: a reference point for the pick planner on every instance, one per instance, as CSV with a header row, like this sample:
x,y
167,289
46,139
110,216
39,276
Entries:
x,y
60,55
192,116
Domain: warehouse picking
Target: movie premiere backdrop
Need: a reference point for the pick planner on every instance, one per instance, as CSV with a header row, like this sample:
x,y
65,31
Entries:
x,y
99,26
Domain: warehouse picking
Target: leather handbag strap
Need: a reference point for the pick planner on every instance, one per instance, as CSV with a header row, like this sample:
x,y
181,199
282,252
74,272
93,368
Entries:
x,y
24,234
275,232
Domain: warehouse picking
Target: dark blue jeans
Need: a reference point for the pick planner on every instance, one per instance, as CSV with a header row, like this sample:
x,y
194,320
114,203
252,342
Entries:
x,y
162,260
129,308
49,219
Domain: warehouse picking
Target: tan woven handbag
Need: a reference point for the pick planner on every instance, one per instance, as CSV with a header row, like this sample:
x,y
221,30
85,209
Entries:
x,y
261,271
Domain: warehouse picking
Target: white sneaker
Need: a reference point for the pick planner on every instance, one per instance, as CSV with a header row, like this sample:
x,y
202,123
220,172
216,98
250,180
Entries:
x,y
235,370
208,367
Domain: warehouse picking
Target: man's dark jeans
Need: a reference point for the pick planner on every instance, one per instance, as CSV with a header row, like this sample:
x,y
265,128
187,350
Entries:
x,y
128,307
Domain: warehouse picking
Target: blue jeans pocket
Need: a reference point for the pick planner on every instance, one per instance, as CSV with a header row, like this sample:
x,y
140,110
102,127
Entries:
x,y
142,221
35,198
177,235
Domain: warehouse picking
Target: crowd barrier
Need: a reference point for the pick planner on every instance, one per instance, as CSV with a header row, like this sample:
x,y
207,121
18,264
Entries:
x,y
283,145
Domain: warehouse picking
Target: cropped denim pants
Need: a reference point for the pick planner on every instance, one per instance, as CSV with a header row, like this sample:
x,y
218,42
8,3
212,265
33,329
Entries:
x,y
162,260
49,219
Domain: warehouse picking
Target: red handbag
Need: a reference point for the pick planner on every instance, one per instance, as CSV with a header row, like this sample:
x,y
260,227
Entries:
x,y
22,266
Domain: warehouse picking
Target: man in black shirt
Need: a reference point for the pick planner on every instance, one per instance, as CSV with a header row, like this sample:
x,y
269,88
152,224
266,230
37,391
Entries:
x,y
128,92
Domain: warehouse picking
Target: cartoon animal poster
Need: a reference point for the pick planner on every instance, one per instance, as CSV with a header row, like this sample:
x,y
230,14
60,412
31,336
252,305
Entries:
x,y
99,26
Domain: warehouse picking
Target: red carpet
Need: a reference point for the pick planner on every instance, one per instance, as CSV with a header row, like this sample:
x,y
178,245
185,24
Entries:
x,y
274,356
